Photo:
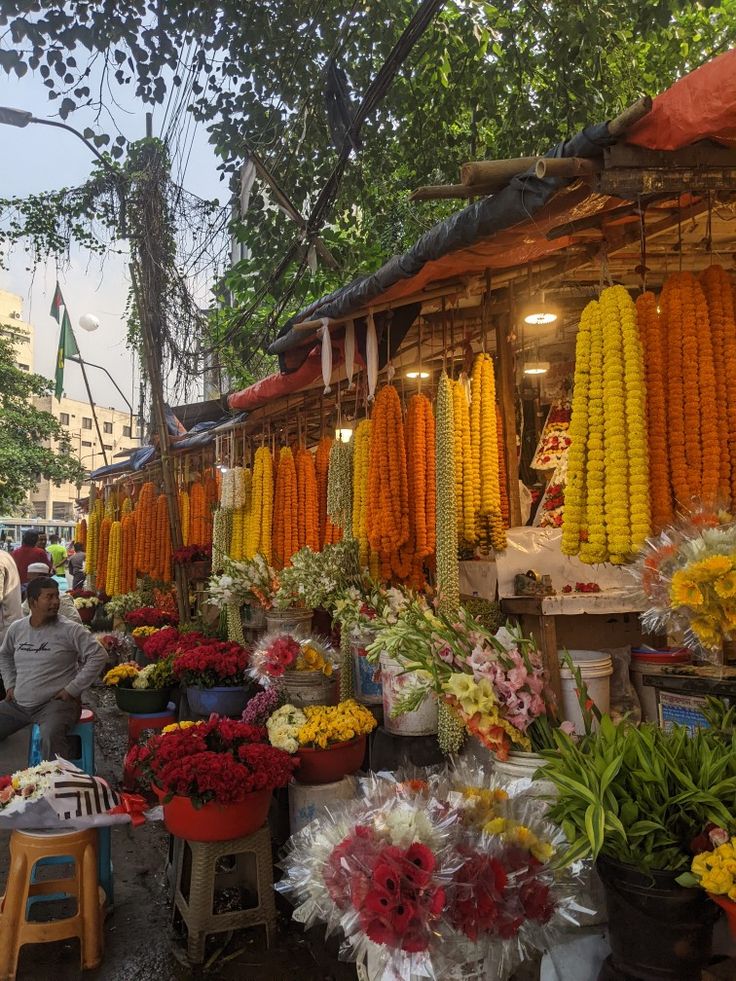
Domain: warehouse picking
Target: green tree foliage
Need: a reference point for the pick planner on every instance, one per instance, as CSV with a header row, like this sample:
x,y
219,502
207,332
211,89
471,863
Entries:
x,y
486,80
32,443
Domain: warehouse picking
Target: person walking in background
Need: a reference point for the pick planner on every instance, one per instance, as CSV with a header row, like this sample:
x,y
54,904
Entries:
x,y
37,570
10,607
58,555
76,566
29,552
46,662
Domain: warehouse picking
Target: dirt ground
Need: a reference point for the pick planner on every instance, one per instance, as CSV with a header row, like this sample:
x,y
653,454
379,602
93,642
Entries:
x,y
140,944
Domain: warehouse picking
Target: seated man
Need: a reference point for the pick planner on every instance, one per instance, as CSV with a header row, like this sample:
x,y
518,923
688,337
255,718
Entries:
x,y
46,662
37,570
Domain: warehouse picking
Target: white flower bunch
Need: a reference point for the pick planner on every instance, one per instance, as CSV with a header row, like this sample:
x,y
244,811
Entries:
x,y
239,579
141,680
283,728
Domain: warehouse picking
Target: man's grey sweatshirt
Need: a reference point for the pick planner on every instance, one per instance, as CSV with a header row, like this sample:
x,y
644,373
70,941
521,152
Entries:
x,y
37,662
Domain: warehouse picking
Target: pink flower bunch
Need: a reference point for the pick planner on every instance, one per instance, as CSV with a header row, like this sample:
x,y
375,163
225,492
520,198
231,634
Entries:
x,y
393,889
518,680
280,655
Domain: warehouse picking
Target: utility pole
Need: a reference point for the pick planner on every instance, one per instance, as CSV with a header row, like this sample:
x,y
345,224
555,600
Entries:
x,y
146,270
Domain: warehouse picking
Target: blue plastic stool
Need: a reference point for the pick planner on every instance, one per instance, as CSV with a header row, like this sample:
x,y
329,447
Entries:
x,y
84,730
104,871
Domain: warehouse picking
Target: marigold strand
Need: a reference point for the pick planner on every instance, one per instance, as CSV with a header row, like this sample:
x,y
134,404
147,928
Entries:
x,y
650,332
722,318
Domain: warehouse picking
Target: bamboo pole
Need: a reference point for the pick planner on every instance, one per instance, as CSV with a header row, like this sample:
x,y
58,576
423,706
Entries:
x,y
626,119
440,192
494,172
566,167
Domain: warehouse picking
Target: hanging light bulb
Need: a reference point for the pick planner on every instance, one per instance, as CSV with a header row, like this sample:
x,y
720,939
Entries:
x,y
536,367
417,374
538,312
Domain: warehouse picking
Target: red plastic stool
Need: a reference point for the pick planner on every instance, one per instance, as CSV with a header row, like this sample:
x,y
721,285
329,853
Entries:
x,y
137,724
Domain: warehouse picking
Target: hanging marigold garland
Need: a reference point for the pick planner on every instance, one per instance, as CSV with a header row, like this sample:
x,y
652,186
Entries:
x,y
113,576
162,546
467,490
128,582
144,528
716,286
198,523
307,501
258,530
322,467
485,461
184,517
361,463
102,553
388,491
637,449
421,472
653,344
93,538
573,527
285,533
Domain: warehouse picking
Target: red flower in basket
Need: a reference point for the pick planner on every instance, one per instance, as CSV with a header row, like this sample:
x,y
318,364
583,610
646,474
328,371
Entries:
x,y
150,616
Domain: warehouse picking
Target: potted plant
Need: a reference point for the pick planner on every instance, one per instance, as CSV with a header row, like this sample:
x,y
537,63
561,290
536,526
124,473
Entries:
x,y
304,669
328,739
86,603
142,690
215,778
634,799
197,559
215,676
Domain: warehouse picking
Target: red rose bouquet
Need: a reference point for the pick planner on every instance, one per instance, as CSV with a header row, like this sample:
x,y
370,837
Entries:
x,y
213,664
276,654
220,760
150,616
168,640
428,876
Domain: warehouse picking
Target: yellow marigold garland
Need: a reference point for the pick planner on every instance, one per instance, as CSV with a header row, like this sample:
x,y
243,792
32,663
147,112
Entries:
x,y
184,518
616,477
448,578
636,421
259,524
93,532
361,460
466,491
113,577
575,492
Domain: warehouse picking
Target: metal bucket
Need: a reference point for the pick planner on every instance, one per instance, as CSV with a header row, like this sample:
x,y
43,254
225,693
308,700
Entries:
x,y
292,621
308,688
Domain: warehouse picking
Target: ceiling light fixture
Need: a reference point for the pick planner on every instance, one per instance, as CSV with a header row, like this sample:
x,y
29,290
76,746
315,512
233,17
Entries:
x,y
417,374
344,434
536,368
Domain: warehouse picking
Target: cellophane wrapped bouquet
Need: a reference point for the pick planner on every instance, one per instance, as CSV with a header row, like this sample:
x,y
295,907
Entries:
x,y
276,654
432,877
687,574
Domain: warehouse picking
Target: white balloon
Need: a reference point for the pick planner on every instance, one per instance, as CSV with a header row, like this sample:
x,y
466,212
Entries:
x,y
89,322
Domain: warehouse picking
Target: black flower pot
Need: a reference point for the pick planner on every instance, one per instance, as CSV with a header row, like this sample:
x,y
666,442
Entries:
x,y
658,930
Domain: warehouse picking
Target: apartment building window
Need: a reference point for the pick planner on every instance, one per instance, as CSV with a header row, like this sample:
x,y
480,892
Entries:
x,y
86,422
23,367
107,447
126,431
86,444
107,427
61,511
64,418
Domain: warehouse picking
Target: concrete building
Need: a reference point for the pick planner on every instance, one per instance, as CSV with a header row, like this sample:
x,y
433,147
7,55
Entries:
x,y
57,503
14,328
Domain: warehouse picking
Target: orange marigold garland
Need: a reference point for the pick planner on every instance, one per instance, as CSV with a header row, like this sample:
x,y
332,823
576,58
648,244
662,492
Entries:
x,y
650,331
308,503
503,479
285,507
420,464
162,548
716,285
184,517
388,494
145,528
128,576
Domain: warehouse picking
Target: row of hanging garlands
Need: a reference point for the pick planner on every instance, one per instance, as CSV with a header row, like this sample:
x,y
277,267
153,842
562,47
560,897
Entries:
x,y
653,428
127,534
379,488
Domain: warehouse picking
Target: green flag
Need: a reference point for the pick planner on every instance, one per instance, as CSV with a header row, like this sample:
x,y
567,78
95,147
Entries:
x,y
67,349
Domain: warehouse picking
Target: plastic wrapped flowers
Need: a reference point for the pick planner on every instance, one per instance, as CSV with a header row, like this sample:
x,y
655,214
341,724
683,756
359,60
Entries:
x,y
423,881
688,576
277,654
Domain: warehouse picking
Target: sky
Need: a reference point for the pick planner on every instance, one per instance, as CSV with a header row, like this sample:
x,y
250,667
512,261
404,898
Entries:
x,y
39,158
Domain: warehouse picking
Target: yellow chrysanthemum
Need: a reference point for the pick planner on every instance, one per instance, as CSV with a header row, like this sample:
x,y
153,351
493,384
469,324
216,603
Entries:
x,y
713,567
725,586
684,591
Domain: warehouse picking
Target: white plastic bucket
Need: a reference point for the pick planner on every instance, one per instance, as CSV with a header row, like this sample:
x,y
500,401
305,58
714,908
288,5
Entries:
x,y
652,662
292,621
308,688
596,669
422,721
307,802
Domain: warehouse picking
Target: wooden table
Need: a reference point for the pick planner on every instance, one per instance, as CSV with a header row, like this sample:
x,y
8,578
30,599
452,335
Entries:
x,y
537,616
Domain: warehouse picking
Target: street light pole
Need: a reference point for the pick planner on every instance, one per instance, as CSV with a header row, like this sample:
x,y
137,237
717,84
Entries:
x,y
21,118
77,359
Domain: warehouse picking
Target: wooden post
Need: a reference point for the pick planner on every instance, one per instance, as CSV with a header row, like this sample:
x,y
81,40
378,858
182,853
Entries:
x,y
506,397
146,270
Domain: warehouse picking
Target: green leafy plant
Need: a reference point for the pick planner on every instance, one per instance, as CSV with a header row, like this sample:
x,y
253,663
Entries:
x,y
640,795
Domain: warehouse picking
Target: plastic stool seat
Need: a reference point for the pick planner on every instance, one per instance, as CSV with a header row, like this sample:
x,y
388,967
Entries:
x,y
78,848
84,730
195,880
